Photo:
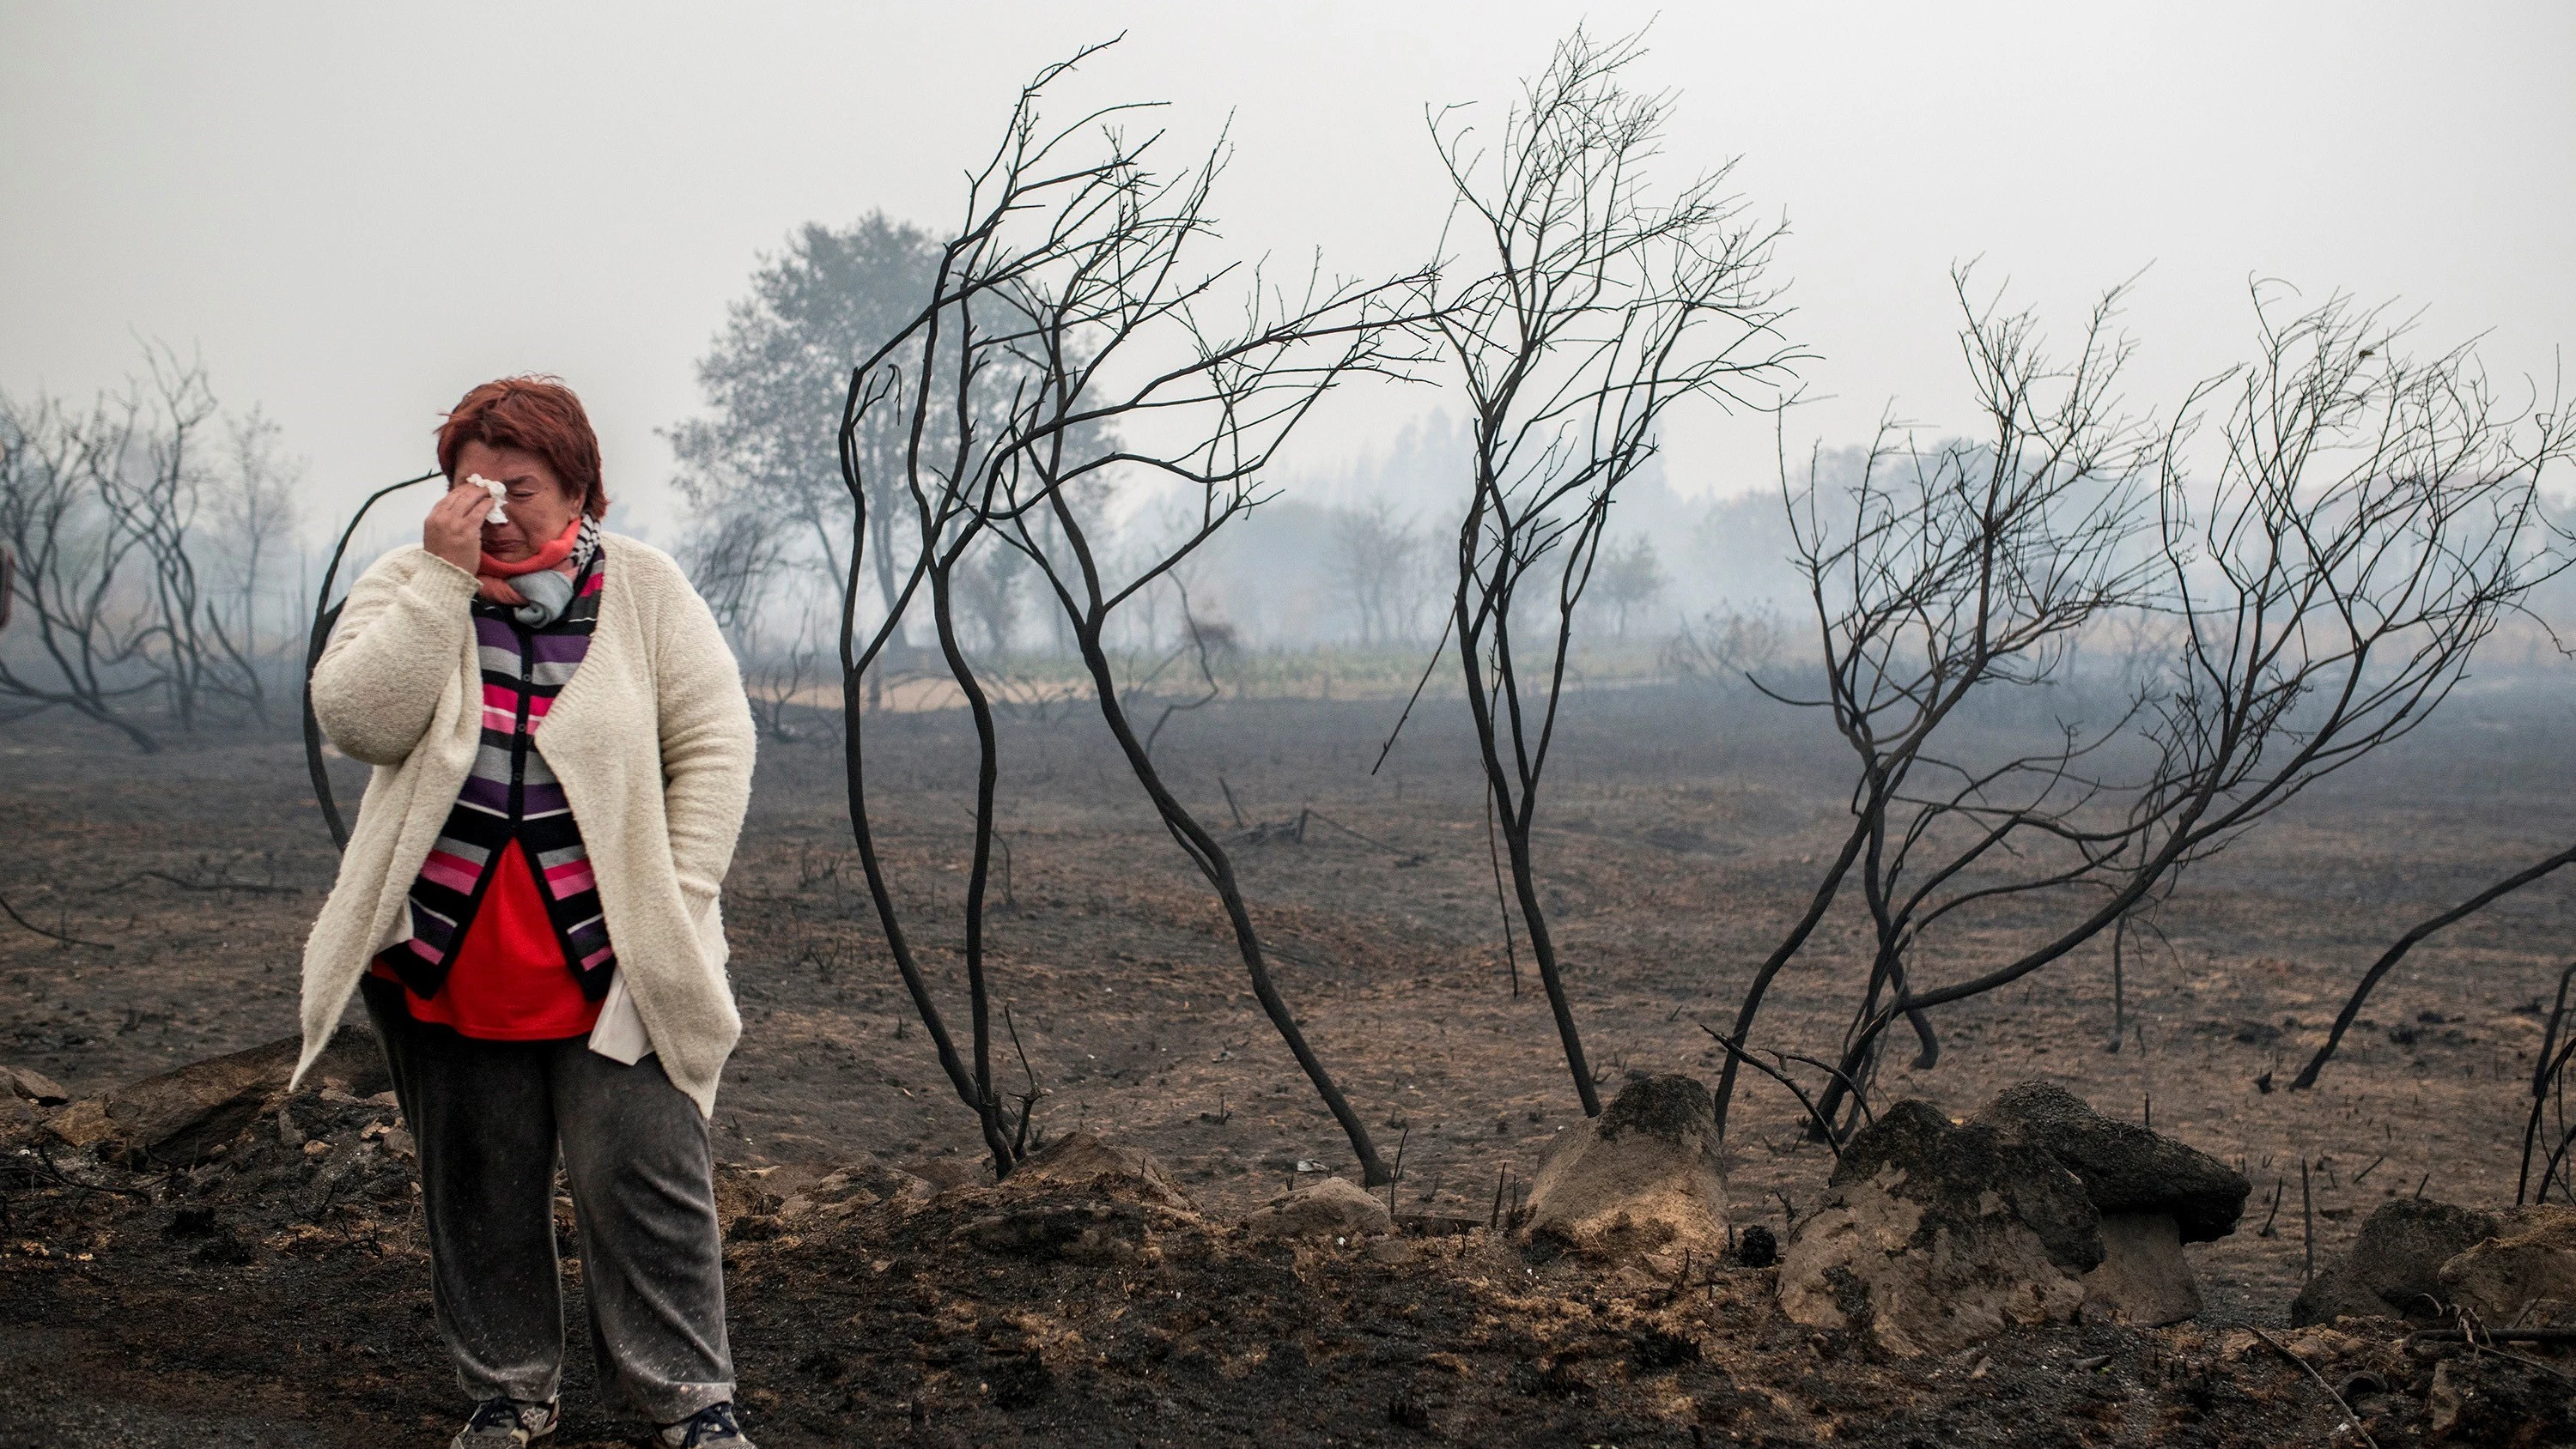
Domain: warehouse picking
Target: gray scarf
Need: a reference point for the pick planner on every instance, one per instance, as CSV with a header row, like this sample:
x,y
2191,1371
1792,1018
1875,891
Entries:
x,y
549,591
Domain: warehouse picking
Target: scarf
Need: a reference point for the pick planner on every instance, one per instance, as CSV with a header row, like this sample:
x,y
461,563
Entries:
x,y
537,588
512,792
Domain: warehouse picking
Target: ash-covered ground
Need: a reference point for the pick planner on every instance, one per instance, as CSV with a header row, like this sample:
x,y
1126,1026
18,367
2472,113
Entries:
x,y
1680,835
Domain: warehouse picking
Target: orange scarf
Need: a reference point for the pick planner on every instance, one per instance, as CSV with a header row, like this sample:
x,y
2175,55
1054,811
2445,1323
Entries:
x,y
492,577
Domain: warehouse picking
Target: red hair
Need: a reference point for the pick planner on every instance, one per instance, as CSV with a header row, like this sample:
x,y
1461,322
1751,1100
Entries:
x,y
536,415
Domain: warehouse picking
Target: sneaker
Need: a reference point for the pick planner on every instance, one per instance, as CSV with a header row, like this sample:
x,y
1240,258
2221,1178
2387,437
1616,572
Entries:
x,y
506,1424
708,1427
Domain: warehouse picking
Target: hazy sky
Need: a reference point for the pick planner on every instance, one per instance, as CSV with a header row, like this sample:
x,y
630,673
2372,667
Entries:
x,y
355,212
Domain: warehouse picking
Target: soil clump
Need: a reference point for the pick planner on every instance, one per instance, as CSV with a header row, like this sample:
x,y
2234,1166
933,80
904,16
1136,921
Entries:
x,y
1334,1209
1939,1234
2394,1268
2524,1276
1642,1177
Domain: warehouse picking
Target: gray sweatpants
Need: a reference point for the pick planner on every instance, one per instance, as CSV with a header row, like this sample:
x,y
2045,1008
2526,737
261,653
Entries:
x,y
487,1117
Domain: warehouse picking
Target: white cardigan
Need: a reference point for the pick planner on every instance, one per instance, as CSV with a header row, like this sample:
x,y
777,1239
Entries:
x,y
652,739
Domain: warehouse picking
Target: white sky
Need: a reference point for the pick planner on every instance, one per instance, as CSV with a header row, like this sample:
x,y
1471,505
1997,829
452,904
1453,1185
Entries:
x,y
356,212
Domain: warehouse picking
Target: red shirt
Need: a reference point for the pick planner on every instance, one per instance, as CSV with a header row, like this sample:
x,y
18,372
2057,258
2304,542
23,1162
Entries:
x,y
507,980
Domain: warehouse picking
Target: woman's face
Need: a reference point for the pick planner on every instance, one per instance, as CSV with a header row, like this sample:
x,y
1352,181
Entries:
x,y
538,505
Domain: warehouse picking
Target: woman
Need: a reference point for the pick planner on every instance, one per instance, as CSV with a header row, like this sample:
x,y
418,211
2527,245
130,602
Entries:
x,y
562,758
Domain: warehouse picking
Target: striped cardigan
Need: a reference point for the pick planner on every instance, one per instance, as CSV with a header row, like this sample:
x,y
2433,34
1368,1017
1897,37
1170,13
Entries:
x,y
512,792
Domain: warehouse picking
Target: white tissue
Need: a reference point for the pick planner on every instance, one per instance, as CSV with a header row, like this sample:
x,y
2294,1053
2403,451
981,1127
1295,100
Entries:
x,y
620,1035
496,490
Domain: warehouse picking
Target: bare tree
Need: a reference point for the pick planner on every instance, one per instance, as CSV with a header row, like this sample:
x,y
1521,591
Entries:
x,y
155,485
101,510
1594,310
255,517
2361,525
1225,399
734,558
742,560
990,584
1631,576
326,617
787,672
1937,579
73,583
1071,269
2549,1070
1377,559
1727,646
1182,678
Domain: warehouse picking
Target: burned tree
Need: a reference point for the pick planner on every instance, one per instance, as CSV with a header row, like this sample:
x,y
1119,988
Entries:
x,y
1222,399
2549,1072
101,509
1936,579
71,585
255,514
1630,578
325,618
1594,309
1727,645
2325,573
741,561
917,466
1067,307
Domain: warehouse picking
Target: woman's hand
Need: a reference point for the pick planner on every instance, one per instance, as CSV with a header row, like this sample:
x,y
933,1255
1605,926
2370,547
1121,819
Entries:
x,y
454,530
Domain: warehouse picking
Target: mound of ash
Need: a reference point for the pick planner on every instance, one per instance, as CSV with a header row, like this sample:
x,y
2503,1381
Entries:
x,y
1937,1235
1642,1177
2154,1194
2394,1269
2511,1271
1333,1209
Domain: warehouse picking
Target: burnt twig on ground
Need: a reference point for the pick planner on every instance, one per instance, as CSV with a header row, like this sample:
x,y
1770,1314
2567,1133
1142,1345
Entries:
x,y
2350,1418
186,884
67,940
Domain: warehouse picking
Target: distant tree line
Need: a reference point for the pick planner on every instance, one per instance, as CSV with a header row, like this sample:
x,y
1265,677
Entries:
x,y
1347,558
